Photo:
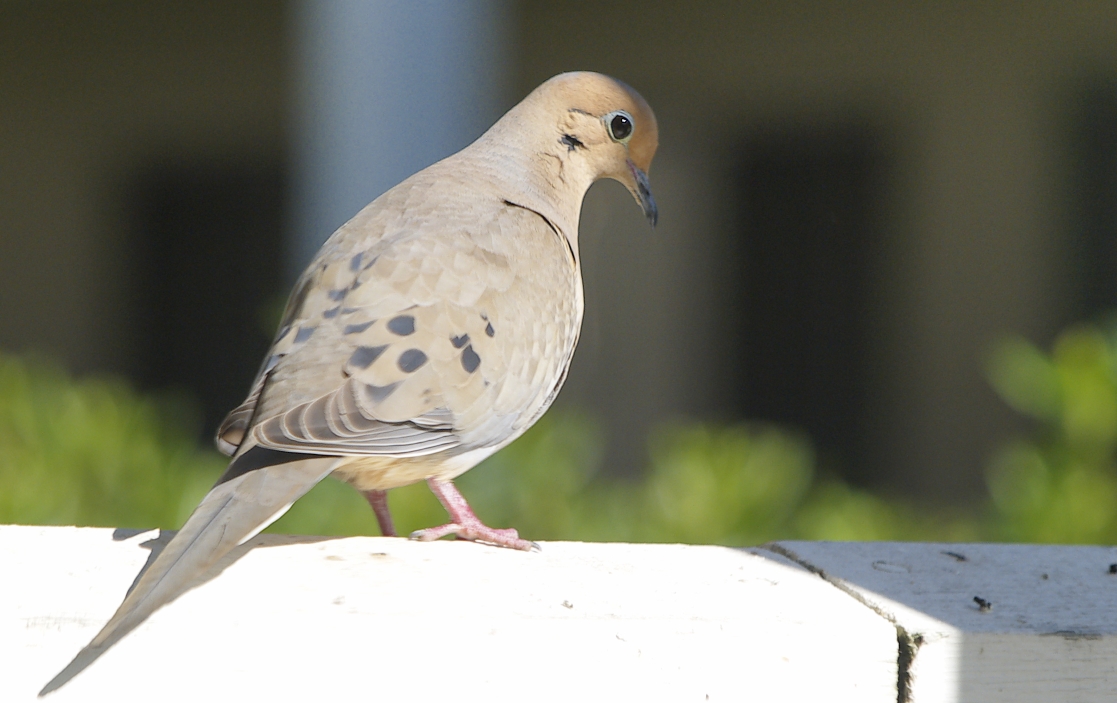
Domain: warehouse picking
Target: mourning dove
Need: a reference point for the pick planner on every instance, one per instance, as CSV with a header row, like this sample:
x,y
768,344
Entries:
x,y
431,330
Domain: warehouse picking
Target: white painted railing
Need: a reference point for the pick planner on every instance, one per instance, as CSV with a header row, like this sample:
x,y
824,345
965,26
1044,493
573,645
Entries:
x,y
324,619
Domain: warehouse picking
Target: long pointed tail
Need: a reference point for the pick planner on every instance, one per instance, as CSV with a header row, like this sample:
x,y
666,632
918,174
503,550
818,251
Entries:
x,y
232,513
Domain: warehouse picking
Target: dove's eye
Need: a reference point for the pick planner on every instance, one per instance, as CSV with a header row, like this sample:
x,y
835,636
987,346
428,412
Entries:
x,y
619,124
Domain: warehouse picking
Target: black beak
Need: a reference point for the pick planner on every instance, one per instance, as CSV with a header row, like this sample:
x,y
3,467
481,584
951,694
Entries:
x,y
644,194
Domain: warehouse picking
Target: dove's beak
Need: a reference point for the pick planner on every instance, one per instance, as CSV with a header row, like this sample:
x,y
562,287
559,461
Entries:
x,y
643,193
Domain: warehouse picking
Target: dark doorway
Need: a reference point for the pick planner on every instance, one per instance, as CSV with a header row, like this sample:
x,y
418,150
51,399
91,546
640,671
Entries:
x,y
208,247
1094,201
808,206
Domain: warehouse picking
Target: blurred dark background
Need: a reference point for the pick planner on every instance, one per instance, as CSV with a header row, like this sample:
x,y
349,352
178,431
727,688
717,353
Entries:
x,y
856,199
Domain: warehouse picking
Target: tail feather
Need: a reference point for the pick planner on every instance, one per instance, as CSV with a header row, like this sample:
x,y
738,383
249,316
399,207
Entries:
x,y
232,513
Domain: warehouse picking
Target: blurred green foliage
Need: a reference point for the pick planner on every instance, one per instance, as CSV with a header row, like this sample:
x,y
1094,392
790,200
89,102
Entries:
x,y
1059,482
96,452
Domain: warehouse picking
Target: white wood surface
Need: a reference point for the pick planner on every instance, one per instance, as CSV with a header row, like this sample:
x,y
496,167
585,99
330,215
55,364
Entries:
x,y
1049,635
303,618
393,620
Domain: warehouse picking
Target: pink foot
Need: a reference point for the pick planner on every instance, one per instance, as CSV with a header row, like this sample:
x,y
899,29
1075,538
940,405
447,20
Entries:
x,y
465,525
379,502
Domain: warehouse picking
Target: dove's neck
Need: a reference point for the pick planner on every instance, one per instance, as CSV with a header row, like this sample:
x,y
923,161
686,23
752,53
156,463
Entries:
x,y
535,176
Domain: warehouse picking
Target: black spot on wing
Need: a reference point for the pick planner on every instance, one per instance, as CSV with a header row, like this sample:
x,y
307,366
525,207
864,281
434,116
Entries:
x,y
363,357
411,360
355,262
331,313
271,363
359,327
304,334
337,294
489,330
378,394
459,341
402,325
470,360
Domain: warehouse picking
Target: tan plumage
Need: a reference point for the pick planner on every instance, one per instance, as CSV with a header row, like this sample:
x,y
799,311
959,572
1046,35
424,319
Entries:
x,y
431,330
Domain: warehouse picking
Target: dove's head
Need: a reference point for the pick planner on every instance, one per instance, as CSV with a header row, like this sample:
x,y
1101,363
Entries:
x,y
602,129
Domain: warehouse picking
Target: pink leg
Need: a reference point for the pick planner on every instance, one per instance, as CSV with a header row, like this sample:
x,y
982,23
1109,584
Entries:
x,y
465,524
379,502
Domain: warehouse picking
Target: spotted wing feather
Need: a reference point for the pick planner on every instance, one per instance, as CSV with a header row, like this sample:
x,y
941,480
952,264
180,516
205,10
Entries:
x,y
415,345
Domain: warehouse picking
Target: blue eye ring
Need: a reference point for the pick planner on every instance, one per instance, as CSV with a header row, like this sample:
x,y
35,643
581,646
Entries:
x,y
620,126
